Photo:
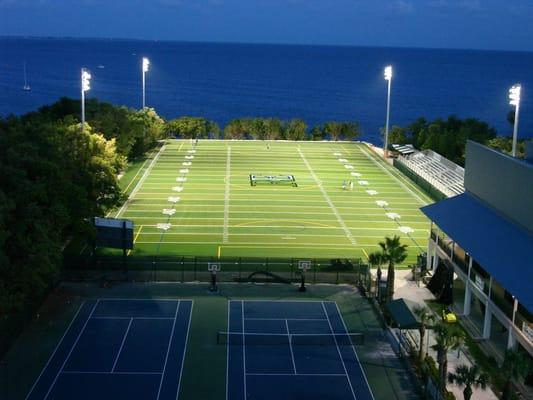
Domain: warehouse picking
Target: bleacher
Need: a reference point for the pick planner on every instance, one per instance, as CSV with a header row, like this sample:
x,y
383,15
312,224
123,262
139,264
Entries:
x,y
444,175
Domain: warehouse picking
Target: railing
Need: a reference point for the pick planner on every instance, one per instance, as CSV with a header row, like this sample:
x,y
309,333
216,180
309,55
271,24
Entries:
x,y
191,269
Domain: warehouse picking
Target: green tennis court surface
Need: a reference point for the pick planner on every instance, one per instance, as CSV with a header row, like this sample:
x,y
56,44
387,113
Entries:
x,y
198,201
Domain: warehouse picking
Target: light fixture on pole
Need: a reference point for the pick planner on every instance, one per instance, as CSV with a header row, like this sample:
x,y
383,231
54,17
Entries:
x,y
145,67
85,87
388,78
514,100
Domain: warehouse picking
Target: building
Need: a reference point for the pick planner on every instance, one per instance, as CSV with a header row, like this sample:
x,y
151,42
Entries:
x,y
486,236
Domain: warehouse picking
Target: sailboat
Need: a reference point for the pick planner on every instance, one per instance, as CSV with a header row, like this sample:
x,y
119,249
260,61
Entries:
x,y
26,87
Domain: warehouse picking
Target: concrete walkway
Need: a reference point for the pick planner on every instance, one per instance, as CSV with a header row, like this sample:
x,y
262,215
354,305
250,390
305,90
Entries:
x,y
408,289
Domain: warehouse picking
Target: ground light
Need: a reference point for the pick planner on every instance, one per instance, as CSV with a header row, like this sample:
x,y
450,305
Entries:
x,y
514,100
145,68
85,87
388,78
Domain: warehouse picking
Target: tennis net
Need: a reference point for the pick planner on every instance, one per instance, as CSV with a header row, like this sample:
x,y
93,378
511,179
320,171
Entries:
x,y
297,339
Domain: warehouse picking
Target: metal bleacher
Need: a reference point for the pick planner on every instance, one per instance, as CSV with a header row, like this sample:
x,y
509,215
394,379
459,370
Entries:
x,y
441,173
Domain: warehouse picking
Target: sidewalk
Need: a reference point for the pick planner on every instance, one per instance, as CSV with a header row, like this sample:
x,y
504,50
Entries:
x,y
408,289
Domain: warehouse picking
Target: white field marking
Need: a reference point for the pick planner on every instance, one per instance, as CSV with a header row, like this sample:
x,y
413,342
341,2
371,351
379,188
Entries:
x,y
355,352
191,151
71,349
285,319
277,246
328,200
348,166
181,179
356,174
138,172
186,163
177,189
162,226
225,231
168,349
393,215
173,199
121,345
189,157
140,182
290,347
343,160
363,183
406,229
55,350
420,200
372,192
339,351
184,349
169,211
337,154
182,171
382,203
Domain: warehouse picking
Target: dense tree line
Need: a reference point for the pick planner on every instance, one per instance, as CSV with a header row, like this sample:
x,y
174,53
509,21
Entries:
x,y
448,137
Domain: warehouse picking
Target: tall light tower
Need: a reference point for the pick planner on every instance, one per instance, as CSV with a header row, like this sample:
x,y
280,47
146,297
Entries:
x,y
514,100
145,67
388,78
85,87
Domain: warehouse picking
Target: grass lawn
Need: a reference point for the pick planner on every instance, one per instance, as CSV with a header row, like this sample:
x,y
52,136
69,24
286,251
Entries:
x,y
218,213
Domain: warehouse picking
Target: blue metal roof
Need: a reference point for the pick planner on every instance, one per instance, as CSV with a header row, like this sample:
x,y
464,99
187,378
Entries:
x,y
502,248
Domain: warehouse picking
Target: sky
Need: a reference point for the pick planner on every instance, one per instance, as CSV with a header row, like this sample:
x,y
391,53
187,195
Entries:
x,y
472,24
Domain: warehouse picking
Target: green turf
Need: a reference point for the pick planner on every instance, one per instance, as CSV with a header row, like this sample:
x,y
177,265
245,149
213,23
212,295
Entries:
x,y
220,213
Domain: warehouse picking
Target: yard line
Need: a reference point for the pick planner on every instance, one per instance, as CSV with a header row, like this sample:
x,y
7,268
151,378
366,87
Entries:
x,y
139,184
225,234
290,346
420,200
328,200
121,345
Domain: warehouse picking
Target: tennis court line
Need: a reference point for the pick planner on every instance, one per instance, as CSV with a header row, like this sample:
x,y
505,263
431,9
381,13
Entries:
x,y
285,319
290,347
109,373
227,353
243,349
281,374
121,345
71,350
55,350
168,349
140,182
328,200
339,351
355,352
185,349
225,232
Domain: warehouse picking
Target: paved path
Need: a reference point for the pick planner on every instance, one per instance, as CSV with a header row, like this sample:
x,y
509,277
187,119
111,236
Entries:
x,y
408,289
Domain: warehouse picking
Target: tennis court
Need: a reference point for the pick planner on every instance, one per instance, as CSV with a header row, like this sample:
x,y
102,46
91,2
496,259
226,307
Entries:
x,y
291,349
119,349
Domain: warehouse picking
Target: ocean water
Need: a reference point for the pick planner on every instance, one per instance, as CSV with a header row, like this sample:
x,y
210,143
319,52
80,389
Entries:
x,y
315,83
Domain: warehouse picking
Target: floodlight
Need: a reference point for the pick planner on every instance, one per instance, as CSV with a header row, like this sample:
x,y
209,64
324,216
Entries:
x,y
388,72
146,64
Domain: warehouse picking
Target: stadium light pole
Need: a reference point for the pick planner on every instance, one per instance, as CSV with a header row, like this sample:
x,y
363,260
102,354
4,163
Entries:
x,y
514,100
85,87
145,67
388,78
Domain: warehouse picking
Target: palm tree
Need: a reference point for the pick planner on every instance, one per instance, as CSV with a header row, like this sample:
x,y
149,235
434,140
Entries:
x,y
447,338
393,253
425,317
515,366
376,259
469,377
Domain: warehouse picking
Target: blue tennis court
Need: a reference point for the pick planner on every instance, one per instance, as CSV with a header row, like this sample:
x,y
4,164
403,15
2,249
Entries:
x,y
119,349
265,363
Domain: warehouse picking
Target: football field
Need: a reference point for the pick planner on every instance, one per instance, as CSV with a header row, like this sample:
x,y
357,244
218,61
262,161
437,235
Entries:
x,y
271,199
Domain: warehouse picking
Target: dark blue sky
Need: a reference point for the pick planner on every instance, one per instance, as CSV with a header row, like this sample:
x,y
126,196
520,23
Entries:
x,y
479,24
